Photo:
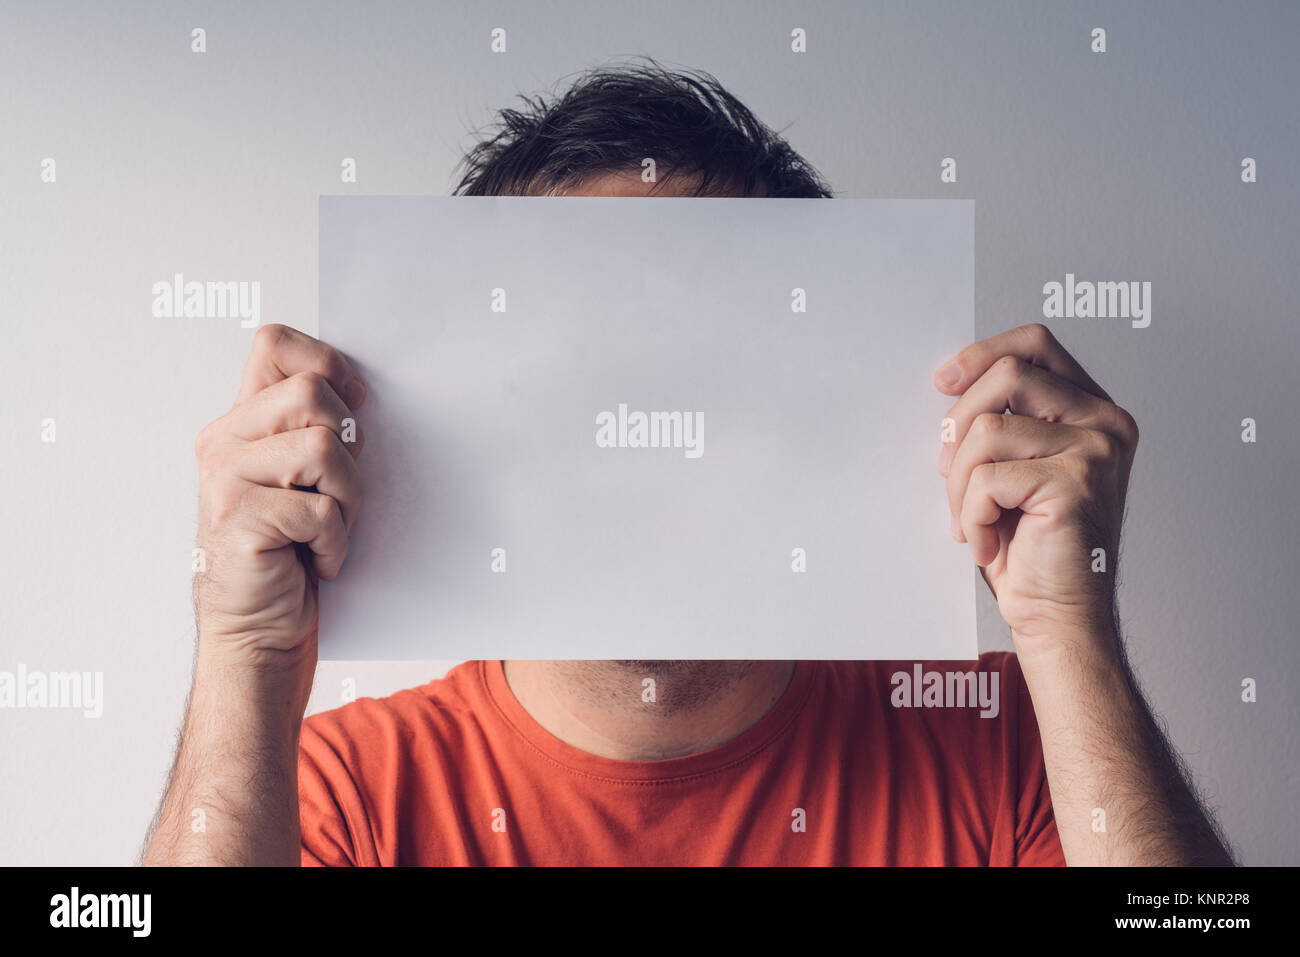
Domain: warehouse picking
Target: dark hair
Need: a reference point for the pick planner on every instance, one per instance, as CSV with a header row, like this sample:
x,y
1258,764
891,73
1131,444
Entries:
x,y
611,118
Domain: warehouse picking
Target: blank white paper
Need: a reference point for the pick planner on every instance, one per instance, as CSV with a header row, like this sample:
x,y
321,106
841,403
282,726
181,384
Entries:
x,y
518,507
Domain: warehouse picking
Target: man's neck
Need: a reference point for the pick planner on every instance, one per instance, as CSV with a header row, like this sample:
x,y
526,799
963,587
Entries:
x,y
647,710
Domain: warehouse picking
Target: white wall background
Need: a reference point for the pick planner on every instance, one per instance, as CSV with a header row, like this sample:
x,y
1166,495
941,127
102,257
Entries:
x,y
1115,166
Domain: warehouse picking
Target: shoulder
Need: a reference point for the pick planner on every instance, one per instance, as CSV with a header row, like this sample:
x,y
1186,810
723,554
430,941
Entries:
x,y
963,712
360,766
929,685
369,729
956,738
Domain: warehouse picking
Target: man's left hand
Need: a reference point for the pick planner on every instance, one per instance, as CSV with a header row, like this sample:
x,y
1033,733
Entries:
x,y
1037,472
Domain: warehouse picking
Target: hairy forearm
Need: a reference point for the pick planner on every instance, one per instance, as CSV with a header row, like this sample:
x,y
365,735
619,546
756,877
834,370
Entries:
x,y
1119,793
232,798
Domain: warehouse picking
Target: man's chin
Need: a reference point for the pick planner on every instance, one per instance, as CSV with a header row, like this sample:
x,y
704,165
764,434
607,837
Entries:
x,y
672,666
652,664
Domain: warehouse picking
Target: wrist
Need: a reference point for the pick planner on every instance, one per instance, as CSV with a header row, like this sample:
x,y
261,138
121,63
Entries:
x,y
259,695
1092,649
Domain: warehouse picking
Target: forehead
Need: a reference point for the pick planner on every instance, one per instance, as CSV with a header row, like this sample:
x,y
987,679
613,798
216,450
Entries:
x,y
631,184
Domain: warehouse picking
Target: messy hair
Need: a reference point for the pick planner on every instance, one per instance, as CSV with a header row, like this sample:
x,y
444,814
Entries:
x,y
612,118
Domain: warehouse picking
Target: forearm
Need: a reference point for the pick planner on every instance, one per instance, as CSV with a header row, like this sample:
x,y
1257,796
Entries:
x,y
232,798
1118,792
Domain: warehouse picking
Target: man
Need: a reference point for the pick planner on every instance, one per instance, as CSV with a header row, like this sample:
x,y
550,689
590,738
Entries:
x,y
733,762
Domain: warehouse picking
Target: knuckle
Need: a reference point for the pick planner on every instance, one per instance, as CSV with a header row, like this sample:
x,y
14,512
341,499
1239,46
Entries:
x,y
989,423
326,509
1037,334
335,366
1009,367
203,442
211,466
309,388
209,452
981,476
1107,448
222,505
320,442
1127,426
269,336
1038,339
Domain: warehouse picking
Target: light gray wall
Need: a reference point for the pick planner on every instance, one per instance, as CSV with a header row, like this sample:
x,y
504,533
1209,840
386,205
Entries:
x,y
1115,166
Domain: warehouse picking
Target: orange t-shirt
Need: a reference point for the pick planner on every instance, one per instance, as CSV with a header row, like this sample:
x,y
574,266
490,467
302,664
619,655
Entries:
x,y
457,772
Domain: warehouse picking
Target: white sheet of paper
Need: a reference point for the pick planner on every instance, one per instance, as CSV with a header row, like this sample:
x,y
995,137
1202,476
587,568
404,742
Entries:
x,y
820,428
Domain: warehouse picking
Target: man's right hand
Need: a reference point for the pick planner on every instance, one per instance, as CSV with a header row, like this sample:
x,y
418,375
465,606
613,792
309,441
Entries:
x,y
280,492
266,539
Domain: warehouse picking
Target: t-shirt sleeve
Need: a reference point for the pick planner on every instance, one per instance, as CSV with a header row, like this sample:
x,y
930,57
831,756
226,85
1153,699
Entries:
x,y
1037,843
330,809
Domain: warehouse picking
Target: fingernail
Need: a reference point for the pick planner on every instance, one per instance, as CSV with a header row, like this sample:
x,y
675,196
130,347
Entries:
x,y
949,375
354,393
954,528
946,456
